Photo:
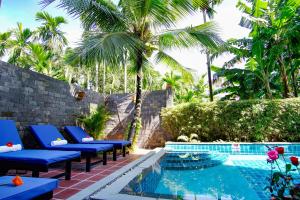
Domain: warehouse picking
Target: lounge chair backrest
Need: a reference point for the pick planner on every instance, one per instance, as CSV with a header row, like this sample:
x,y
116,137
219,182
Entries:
x,y
46,134
76,132
9,133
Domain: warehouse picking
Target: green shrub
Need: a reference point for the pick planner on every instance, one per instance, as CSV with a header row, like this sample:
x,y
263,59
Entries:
x,y
251,120
94,123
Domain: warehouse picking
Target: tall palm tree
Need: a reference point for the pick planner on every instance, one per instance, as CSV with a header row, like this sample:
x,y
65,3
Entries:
x,y
19,44
208,10
141,28
49,32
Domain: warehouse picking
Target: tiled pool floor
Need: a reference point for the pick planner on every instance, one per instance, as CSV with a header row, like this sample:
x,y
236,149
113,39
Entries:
x,y
81,179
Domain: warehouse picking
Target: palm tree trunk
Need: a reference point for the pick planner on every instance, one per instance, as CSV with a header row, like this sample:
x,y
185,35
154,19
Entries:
x,y
211,96
284,79
125,74
88,86
97,77
138,99
104,80
294,83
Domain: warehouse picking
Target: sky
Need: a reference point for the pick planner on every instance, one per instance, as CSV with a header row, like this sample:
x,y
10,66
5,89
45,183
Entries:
x,y
227,17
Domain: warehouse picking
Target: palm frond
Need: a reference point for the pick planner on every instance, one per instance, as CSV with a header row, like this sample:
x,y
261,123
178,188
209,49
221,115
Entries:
x,y
203,36
107,47
4,42
93,12
164,58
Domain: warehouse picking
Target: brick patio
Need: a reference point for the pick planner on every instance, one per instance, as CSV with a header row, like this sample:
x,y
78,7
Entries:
x,y
81,179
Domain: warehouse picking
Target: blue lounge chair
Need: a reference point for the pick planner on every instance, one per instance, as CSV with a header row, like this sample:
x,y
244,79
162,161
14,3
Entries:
x,y
77,134
32,188
32,160
46,134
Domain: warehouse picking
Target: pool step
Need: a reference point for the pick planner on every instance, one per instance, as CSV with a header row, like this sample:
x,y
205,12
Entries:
x,y
180,162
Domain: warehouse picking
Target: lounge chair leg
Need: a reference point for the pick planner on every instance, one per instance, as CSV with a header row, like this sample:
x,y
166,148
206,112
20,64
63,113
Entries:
x,y
35,173
68,170
114,154
88,164
104,157
124,151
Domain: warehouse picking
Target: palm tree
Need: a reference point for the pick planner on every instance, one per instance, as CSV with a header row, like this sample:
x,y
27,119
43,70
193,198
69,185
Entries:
x,y
40,59
141,28
4,42
19,44
172,80
208,10
49,32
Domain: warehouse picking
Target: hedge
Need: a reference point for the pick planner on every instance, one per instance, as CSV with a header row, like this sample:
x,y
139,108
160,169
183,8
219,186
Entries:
x,y
244,121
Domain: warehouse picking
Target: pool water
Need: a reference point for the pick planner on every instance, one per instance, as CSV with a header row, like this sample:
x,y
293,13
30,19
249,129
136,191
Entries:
x,y
204,175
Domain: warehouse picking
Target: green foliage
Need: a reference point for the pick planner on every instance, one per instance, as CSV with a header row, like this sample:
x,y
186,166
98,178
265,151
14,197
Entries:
x,y
251,120
270,53
191,93
95,122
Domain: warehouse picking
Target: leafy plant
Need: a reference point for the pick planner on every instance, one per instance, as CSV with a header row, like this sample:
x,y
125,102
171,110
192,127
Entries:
x,y
95,122
247,120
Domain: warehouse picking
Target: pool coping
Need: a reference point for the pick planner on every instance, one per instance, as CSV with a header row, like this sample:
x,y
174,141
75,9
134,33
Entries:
x,y
112,192
218,143
93,190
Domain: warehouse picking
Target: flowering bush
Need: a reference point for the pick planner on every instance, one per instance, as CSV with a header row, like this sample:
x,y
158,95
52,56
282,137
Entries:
x,y
282,184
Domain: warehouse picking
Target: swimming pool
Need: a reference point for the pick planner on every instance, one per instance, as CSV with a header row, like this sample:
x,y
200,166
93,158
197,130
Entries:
x,y
197,171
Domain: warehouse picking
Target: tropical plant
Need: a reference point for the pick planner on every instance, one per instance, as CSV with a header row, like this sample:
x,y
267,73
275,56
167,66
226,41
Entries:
x,y
95,123
271,60
4,42
132,27
191,93
49,32
173,81
18,44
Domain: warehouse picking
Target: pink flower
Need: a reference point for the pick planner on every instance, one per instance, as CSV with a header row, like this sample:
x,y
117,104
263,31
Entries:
x,y
273,155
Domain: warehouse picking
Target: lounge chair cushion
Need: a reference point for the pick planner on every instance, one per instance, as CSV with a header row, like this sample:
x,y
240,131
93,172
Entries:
x,y
78,133
88,148
47,133
42,157
9,133
32,188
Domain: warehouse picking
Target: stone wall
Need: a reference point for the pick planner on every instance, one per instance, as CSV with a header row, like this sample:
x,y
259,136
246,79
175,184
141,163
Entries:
x,y
121,106
32,98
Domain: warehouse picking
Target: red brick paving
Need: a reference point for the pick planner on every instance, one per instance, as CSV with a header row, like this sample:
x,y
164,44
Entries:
x,y
81,179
